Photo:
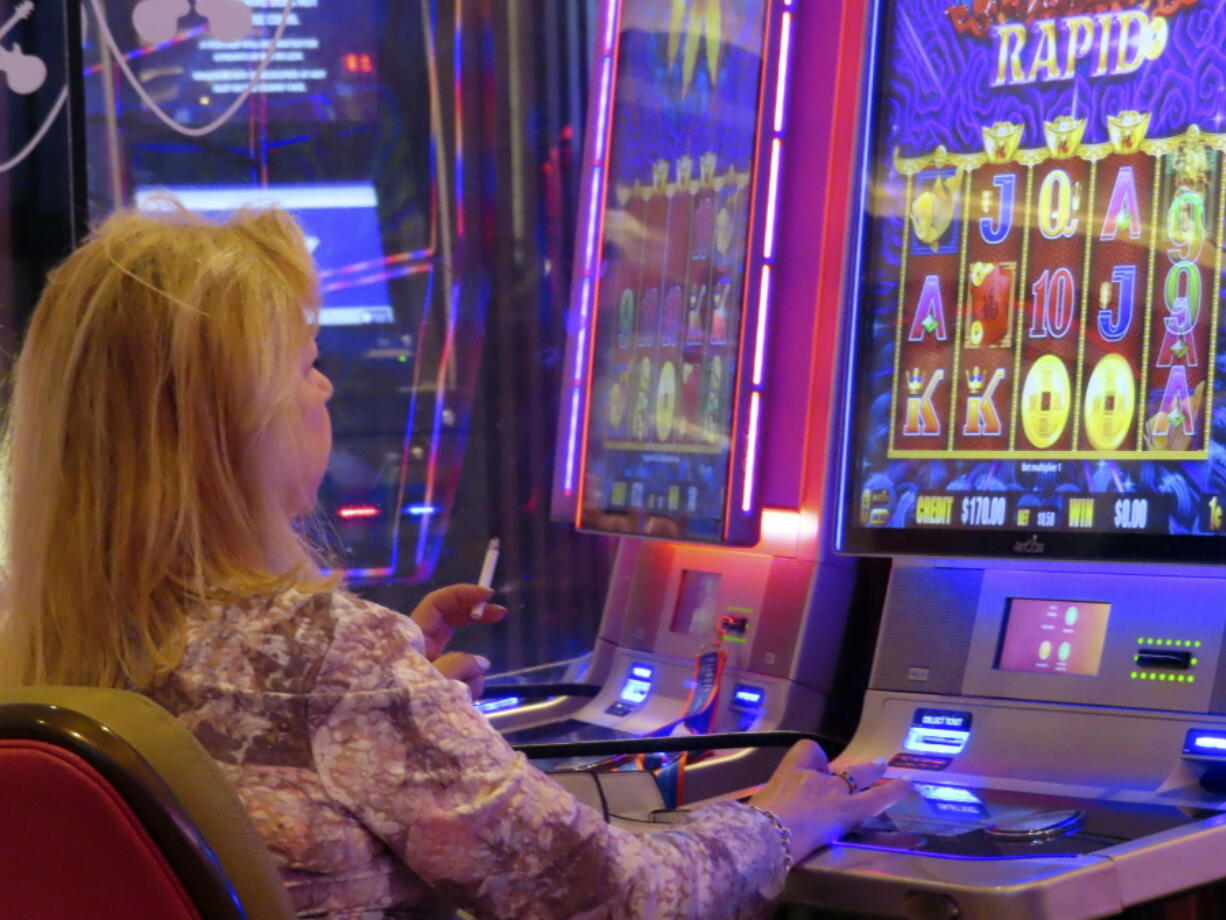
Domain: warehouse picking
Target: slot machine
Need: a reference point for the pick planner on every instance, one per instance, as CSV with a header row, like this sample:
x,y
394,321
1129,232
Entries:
x,y
698,382
1035,433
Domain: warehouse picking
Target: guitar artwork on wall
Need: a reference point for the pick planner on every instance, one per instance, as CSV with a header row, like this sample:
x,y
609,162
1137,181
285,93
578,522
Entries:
x,y
25,72
157,21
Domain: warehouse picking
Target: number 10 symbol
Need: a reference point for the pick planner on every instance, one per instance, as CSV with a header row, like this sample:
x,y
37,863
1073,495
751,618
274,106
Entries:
x,y
1054,296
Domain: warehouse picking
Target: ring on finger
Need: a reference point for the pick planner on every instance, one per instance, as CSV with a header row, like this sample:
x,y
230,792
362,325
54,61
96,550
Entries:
x,y
852,786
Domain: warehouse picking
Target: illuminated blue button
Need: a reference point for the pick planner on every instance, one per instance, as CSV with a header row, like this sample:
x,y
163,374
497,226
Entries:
x,y
935,741
1201,742
936,793
638,683
938,731
498,704
745,696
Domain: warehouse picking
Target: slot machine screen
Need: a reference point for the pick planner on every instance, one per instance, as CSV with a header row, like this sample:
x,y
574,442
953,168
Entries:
x,y
1036,337
675,250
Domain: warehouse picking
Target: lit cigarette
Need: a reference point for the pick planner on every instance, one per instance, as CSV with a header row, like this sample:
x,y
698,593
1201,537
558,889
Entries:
x,y
487,574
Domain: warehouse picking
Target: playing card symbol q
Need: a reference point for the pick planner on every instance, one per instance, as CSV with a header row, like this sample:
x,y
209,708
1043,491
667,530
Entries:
x,y
25,72
157,21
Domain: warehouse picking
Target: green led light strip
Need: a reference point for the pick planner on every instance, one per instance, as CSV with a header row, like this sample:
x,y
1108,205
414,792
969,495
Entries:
x,y
1166,678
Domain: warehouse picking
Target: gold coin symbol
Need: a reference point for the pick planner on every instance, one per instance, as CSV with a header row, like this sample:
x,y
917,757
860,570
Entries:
x,y
666,400
1046,401
617,405
1110,403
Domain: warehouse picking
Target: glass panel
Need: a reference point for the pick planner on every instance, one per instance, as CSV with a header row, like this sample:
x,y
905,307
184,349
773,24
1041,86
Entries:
x,y
426,149
35,185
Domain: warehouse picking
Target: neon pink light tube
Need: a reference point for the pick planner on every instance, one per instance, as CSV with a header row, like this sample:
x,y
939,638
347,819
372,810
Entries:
x,y
581,356
759,349
751,457
608,28
772,199
589,265
785,43
602,113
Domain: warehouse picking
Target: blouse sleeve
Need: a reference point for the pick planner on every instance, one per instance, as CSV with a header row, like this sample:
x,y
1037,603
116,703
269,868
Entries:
x,y
403,749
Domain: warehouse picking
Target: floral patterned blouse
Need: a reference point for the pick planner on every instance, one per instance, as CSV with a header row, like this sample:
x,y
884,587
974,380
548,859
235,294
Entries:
x,y
383,793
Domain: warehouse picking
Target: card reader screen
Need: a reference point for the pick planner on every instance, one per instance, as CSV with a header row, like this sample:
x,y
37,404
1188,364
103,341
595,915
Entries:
x,y
1053,637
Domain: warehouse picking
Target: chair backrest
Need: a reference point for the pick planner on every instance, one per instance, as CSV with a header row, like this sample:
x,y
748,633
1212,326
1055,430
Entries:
x,y
109,807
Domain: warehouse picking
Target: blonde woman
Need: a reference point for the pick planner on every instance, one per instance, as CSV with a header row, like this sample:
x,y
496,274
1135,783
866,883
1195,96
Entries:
x,y
168,430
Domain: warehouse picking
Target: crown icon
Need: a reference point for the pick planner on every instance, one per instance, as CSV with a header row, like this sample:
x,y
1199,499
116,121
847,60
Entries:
x,y
685,170
1001,141
1127,130
975,380
1063,135
915,381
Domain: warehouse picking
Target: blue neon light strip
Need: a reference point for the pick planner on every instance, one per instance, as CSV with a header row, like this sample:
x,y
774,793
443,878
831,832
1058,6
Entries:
x,y
590,262
856,271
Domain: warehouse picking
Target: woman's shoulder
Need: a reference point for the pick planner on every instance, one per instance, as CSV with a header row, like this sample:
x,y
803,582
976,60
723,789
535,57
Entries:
x,y
287,642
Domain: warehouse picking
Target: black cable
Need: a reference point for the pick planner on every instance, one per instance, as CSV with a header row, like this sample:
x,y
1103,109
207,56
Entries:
x,y
714,742
604,802
539,691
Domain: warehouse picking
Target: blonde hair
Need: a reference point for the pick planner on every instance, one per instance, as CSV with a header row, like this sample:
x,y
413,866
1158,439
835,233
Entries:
x,y
160,354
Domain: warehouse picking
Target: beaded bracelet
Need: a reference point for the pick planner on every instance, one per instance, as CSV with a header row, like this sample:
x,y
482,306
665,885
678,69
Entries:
x,y
784,834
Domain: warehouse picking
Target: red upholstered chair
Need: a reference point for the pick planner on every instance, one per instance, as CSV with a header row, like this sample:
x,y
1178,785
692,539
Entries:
x,y
109,808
